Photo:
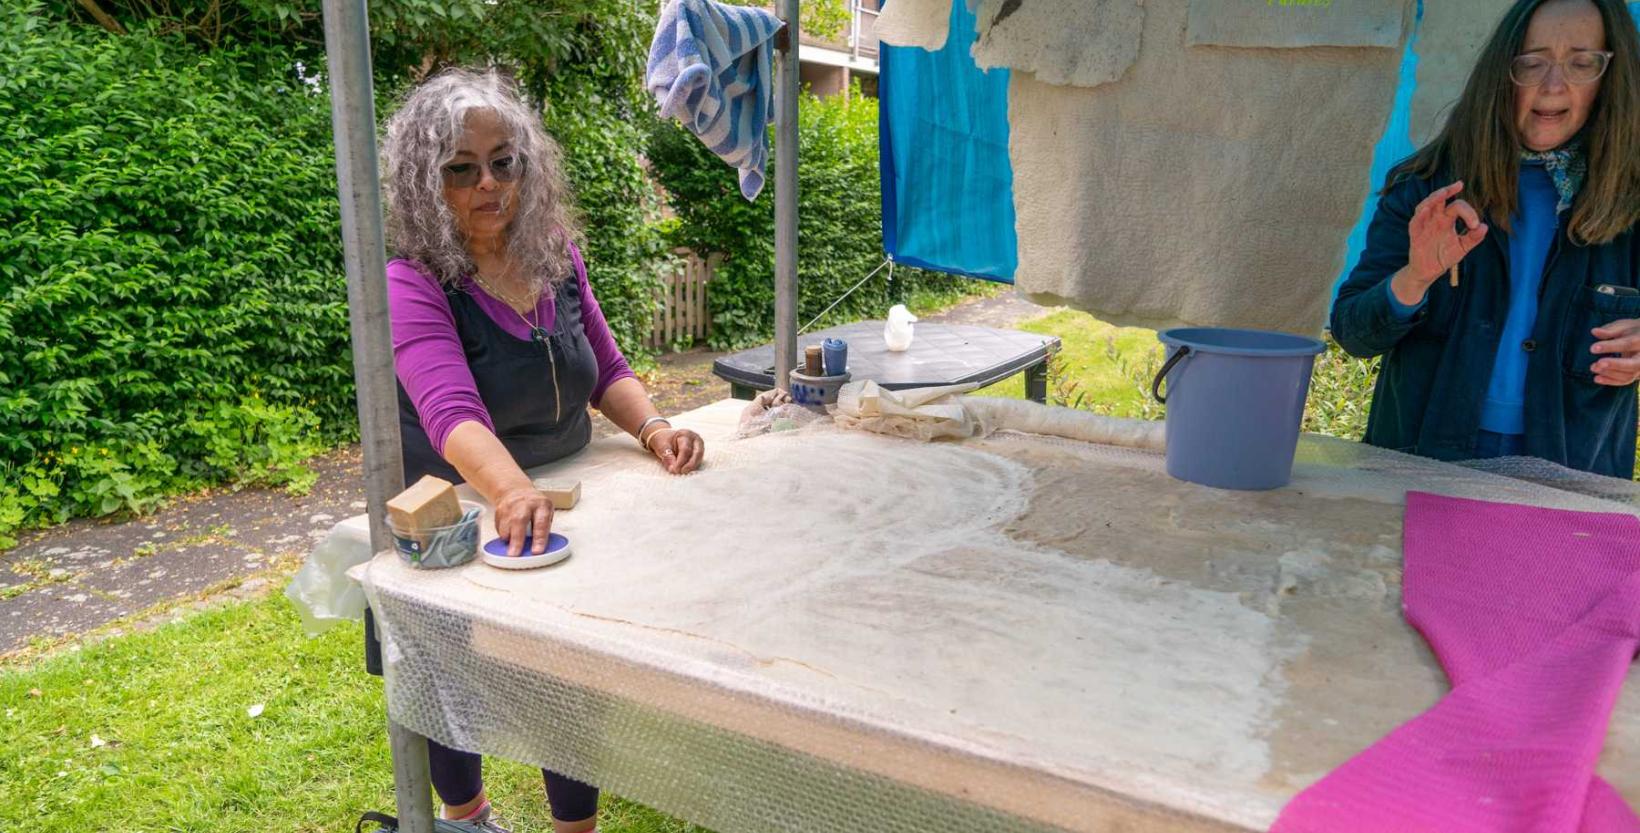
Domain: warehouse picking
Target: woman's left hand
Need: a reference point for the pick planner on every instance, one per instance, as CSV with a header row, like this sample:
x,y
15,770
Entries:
x,y
679,450
1620,350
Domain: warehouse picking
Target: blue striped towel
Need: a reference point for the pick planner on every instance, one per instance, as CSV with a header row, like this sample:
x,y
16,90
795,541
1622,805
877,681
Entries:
x,y
710,67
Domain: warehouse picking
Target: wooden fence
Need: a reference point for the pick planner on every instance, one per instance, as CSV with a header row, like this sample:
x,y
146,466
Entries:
x,y
680,310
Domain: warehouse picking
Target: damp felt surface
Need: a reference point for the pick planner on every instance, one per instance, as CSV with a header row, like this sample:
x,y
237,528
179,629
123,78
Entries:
x,y
1071,612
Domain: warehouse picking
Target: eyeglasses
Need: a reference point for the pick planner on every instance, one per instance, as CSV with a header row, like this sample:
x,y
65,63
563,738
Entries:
x,y
1583,67
468,174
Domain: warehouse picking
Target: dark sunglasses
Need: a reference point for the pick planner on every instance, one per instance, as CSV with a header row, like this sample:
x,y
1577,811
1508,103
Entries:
x,y
468,174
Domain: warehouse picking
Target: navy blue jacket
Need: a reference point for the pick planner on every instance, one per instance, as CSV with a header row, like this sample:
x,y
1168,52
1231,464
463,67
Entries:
x,y
1436,367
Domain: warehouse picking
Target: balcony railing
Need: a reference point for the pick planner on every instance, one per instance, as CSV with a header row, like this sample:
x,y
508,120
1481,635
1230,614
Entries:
x,y
862,40
859,37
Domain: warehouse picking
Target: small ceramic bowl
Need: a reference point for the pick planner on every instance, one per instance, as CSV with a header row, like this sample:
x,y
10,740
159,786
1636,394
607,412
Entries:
x,y
816,390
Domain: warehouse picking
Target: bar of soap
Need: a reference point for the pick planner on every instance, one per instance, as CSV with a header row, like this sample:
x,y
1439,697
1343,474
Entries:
x,y
428,505
563,496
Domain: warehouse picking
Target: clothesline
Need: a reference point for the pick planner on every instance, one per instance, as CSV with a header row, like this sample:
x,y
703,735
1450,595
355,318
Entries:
x,y
889,262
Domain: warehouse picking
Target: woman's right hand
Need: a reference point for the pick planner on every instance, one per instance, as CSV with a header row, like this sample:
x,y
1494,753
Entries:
x,y
523,511
1434,244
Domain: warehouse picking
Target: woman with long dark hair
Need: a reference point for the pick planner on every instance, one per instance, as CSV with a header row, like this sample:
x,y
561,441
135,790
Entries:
x,y
1501,277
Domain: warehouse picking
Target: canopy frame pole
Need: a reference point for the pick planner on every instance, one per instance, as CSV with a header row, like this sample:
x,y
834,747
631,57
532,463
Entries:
x,y
353,124
787,77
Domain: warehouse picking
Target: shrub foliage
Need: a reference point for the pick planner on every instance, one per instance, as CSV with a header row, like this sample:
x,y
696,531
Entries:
x,y
839,224
172,295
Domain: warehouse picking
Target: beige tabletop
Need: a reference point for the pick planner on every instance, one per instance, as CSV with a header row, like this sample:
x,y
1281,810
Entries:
x,y
1014,633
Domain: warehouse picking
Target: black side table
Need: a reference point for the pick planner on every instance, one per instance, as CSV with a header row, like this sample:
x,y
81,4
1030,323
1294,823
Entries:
x,y
940,354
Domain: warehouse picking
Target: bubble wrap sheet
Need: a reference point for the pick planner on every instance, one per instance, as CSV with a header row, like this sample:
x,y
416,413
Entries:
x,y
827,630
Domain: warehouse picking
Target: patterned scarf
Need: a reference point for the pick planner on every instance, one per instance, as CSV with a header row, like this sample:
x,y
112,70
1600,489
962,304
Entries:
x,y
1567,167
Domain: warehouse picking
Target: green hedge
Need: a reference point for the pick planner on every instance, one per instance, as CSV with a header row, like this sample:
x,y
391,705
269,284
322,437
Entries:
x,y
839,224
599,130
168,264
171,288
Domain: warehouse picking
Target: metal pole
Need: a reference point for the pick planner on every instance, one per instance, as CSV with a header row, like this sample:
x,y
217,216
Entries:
x,y
353,123
785,199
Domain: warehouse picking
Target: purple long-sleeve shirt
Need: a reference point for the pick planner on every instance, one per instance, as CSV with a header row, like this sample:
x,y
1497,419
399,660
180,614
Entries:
x,y
427,352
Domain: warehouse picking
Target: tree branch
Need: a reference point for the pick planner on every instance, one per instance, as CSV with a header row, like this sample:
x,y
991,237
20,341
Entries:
x,y
102,17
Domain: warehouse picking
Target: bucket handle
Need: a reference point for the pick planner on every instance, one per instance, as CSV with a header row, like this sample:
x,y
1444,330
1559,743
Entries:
x,y
1156,383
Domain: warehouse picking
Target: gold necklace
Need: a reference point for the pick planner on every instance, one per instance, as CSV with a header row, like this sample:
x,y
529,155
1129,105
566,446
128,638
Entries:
x,y
499,295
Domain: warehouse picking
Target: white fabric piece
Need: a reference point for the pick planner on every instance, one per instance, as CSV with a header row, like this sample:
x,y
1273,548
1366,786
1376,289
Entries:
x,y
940,413
1210,187
898,330
916,414
921,23
1080,42
995,414
1289,25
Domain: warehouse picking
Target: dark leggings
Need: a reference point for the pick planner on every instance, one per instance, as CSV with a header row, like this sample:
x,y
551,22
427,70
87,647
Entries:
x,y
459,778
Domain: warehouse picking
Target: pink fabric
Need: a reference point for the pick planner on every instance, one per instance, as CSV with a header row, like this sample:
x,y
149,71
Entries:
x,y
427,351
1535,616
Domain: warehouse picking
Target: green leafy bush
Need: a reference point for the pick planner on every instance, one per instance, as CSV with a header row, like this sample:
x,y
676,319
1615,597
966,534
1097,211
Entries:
x,y
171,286
839,224
409,38
601,135
168,248
1340,394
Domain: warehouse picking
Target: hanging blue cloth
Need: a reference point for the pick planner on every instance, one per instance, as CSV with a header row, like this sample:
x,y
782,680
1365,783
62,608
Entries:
x,y
948,187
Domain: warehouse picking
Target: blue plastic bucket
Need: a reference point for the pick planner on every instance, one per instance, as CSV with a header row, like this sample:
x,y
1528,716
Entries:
x,y
1235,401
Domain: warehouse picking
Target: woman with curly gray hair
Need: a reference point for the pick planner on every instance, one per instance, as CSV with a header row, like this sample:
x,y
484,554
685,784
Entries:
x,y
498,342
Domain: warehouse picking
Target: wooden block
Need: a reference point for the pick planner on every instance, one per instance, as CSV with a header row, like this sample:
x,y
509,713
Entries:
x,y
563,496
429,504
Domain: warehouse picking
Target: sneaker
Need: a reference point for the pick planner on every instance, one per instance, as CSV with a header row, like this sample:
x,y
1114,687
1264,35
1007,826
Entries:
x,y
484,821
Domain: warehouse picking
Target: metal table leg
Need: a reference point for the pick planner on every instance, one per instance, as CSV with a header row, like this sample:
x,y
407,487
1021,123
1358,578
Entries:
x,y
1036,382
412,785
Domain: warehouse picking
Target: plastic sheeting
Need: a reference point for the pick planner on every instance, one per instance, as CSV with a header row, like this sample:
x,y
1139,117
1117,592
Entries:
x,y
818,628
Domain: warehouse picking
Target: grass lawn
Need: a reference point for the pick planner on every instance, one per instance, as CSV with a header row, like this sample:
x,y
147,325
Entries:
x,y
1100,363
1108,369
152,732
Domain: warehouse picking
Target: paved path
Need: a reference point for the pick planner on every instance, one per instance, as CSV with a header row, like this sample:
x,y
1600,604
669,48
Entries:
x,y
78,576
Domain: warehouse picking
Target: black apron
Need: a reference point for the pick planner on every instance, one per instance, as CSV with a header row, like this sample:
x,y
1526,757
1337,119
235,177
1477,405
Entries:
x,y
537,420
